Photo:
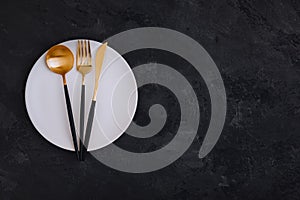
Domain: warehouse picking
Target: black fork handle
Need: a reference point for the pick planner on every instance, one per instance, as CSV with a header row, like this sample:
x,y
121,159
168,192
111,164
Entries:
x,y
88,129
81,134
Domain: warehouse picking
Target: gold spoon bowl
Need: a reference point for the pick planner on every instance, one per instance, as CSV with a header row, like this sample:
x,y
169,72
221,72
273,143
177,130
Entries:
x,y
60,60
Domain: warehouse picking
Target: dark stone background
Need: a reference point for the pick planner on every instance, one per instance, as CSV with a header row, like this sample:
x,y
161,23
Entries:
x,y
255,44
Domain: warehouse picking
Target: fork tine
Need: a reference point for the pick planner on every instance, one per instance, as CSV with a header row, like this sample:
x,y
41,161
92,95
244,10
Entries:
x,y
77,53
89,53
81,53
85,51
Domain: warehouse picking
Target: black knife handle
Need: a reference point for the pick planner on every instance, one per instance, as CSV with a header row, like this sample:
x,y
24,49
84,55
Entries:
x,y
71,120
88,129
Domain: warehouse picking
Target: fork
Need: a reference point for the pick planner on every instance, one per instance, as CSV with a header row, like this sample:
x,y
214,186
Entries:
x,y
84,66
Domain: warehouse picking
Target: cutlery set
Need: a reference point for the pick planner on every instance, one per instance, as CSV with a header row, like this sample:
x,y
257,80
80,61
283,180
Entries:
x,y
60,60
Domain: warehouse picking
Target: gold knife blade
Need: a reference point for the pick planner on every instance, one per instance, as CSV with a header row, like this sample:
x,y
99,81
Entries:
x,y
99,61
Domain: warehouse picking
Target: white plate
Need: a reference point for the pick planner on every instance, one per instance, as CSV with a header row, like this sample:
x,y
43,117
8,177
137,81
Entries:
x,y
115,107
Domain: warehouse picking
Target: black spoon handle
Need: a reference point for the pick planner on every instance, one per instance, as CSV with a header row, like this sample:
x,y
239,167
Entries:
x,y
88,129
81,133
71,120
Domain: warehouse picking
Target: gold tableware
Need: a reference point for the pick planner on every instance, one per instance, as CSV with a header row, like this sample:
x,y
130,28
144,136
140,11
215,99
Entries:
x,y
84,66
60,60
99,61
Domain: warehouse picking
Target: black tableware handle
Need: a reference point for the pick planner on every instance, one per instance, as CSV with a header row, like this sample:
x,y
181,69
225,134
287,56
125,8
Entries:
x,y
82,105
71,120
88,129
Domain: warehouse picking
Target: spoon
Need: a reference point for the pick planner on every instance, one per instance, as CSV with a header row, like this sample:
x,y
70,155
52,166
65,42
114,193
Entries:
x,y
60,60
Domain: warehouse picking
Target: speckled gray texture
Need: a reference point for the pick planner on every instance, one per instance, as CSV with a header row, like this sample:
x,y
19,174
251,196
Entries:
x,y
255,44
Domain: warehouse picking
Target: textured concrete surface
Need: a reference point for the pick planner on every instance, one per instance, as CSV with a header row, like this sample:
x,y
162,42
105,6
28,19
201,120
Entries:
x,y
255,44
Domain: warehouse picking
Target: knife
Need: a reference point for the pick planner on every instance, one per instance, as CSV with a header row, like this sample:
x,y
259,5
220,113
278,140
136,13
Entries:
x,y
99,61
